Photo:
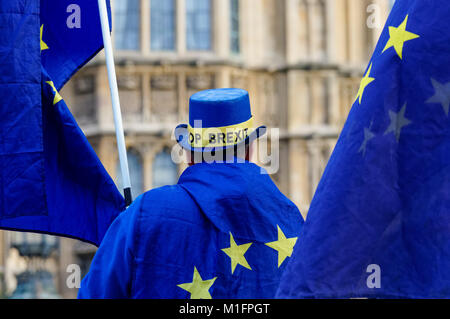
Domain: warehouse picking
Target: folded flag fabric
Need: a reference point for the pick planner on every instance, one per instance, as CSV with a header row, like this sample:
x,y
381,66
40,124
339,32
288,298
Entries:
x,y
71,35
379,223
51,180
223,231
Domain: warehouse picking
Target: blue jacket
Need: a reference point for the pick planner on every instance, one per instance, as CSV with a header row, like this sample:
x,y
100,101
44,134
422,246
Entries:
x,y
224,231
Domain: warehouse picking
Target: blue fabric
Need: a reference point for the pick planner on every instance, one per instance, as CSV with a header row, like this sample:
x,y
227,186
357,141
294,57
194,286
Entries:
x,y
384,198
154,246
70,47
51,180
21,145
219,107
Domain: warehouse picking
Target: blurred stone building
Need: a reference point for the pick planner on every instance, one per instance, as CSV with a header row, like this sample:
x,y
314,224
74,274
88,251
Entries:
x,y
300,60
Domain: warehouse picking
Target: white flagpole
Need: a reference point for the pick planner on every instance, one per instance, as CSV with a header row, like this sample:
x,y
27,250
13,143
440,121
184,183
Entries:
x,y
115,101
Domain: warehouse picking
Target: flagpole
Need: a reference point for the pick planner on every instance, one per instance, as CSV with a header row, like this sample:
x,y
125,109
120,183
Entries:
x,y
115,101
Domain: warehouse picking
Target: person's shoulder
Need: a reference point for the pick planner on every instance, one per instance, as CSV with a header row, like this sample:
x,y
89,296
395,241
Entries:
x,y
267,185
161,193
131,214
166,201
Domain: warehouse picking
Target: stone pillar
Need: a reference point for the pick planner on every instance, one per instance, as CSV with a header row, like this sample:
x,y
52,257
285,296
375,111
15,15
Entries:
x,y
296,31
280,109
66,257
145,26
147,166
183,99
108,154
278,28
250,30
330,144
223,78
316,164
221,27
357,28
298,100
181,26
2,262
316,21
292,27
337,20
103,98
146,97
246,44
317,103
329,22
333,99
299,191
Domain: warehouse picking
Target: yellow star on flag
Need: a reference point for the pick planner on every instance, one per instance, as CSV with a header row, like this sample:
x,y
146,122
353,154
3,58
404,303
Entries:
x,y
366,80
57,97
198,288
398,37
236,253
283,245
44,46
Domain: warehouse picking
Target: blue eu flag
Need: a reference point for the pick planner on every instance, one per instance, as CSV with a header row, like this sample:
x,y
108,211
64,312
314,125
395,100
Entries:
x,y
379,223
71,35
51,180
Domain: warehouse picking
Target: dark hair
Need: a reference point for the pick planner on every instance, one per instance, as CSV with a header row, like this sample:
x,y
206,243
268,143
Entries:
x,y
238,151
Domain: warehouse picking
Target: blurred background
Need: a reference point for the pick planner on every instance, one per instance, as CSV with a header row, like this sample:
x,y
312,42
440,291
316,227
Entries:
x,y
300,60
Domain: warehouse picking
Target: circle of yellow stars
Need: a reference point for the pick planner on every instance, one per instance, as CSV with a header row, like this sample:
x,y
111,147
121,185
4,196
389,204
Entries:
x,y
199,288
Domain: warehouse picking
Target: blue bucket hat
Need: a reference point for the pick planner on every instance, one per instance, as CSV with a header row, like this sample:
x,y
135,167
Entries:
x,y
218,119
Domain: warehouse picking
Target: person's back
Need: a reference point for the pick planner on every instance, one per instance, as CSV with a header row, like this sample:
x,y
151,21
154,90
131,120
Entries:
x,y
227,236
224,231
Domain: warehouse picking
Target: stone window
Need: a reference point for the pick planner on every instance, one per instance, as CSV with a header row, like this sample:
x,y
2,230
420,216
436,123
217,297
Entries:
x,y
83,104
163,24
198,25
130,91
127,24
165,171
164,98
234,32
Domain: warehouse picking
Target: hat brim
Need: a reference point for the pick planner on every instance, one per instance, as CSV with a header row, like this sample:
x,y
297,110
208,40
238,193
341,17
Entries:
x,y
182,138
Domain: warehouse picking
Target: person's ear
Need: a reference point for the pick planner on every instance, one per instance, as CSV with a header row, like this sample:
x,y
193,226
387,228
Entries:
x,y
188,157
251,149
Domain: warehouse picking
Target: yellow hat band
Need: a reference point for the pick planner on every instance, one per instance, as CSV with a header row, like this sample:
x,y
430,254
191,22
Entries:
x,y
220,136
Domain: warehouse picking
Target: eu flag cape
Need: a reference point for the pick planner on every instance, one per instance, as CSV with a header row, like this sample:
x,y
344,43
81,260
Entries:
x,y
224,231
51,180
379,223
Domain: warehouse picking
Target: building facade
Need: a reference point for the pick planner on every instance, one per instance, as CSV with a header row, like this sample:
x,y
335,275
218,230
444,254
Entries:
x,y
300,60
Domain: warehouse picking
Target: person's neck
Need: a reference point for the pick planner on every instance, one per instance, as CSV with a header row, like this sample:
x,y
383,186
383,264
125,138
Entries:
x,y
247,159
